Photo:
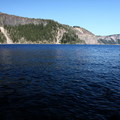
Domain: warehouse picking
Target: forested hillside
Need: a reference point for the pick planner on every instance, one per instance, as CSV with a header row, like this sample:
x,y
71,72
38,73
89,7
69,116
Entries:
x,y
21,30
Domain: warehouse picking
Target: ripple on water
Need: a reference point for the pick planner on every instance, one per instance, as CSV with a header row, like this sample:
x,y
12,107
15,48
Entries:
x,y
59,82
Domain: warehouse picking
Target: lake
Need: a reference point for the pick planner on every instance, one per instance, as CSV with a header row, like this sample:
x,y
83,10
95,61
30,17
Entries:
x,y
59,82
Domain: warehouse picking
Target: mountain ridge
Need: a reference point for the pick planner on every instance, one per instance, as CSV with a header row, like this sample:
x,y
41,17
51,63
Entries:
x,y
45,31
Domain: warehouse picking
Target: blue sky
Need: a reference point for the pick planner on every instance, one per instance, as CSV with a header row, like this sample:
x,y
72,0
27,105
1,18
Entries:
x,y
102,17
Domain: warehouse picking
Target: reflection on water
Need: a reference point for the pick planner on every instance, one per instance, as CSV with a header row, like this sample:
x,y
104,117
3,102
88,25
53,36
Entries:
x,y
59,82
5,56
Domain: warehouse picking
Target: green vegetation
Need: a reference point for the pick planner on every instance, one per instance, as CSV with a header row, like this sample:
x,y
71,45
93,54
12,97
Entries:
x,y
34,33
69,38
118,41
2,38
42,33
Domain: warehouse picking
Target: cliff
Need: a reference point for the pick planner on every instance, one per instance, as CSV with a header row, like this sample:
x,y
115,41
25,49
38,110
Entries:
x,y
15,29
111,39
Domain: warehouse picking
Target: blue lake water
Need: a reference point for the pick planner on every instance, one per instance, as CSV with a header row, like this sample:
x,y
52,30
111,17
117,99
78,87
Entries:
x,y
59,82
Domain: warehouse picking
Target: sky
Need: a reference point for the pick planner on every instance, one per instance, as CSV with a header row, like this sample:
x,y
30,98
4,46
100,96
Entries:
x,y
101,17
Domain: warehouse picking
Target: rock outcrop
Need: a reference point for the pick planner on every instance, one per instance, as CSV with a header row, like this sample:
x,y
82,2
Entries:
x,y
85,35
8,40
111,39
12,20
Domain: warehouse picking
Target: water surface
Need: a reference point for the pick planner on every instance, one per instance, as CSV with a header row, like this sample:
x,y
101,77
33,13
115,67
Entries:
x,y
59,82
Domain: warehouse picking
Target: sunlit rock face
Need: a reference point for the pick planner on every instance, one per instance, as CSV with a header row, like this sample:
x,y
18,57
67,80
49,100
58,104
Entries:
x,y
85,35
111,39
6,19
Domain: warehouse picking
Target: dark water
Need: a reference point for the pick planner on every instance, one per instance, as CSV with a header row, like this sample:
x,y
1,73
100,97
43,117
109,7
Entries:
x,y
59,82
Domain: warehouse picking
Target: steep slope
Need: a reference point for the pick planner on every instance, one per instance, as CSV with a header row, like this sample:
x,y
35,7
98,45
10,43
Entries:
x,y
12,20
111,39
27,30
2,38
85,35
9,41
15,29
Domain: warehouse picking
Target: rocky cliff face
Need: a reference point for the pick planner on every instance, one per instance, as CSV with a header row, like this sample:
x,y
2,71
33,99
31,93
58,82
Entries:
x,y
12,20
28,30
85,35
111,39
4,32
